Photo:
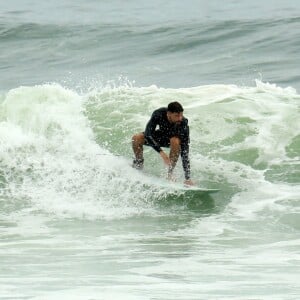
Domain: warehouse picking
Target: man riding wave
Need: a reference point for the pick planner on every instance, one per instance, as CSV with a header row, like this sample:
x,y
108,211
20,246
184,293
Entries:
x,y
167,127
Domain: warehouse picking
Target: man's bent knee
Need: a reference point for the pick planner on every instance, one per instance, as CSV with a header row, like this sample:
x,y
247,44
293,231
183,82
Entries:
x,y
175,142
138,138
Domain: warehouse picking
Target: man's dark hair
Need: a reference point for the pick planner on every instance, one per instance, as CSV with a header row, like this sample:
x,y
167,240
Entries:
x,y
175,107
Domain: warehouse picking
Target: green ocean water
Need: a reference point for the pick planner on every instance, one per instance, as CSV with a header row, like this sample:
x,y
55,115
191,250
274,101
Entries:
x,y
77,221
78,80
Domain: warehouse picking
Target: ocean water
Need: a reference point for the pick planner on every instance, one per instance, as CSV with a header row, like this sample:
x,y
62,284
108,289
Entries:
x,y
78,79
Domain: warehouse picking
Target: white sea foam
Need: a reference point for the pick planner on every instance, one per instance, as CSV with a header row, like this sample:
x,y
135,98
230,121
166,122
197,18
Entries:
x,y
236,133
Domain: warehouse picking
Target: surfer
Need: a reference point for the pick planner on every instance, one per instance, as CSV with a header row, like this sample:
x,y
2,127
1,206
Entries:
x,y
167,127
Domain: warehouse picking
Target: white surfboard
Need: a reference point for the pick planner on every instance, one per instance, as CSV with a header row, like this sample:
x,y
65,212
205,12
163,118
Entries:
x,y
172,186
179,187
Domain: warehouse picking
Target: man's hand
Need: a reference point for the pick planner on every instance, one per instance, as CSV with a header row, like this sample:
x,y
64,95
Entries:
x,y
165,158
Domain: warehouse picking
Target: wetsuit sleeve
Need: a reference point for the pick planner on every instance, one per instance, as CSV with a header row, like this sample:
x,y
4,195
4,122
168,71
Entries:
x,y
185,145
149,131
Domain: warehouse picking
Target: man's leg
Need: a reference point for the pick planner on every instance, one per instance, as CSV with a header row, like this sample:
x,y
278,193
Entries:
x,y
137,147
174,153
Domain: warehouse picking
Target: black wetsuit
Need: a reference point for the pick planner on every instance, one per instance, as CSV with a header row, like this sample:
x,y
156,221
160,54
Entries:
x,y
159,131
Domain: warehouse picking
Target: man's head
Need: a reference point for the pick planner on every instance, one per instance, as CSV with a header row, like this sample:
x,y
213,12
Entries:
x,y
175,112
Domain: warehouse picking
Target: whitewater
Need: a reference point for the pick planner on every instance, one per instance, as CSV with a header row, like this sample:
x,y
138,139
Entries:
x,y
78,79
73,213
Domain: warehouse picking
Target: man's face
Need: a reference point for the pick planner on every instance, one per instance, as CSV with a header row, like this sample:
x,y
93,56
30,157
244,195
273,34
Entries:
x,y
175,117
